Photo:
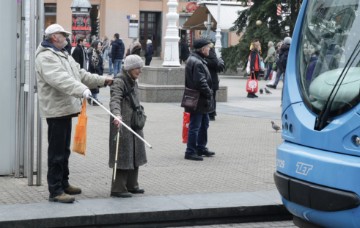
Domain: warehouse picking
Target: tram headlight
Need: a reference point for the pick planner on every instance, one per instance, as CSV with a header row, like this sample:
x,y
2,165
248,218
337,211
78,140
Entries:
x,y
357,140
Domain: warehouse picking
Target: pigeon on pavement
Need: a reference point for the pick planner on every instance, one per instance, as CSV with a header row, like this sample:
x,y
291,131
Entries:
x,y
275,126
267,91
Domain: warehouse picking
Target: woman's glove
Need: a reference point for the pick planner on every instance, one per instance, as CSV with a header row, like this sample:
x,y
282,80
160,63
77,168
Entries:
x,y
116,122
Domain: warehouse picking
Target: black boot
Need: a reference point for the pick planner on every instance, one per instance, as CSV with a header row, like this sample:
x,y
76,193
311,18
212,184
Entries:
x,y
205,153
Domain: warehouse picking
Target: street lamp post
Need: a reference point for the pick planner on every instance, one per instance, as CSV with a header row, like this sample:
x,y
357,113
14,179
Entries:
x,y
171,55
218,31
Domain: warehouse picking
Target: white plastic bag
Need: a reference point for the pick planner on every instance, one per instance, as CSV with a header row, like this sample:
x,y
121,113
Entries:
x,y
248,66
273,78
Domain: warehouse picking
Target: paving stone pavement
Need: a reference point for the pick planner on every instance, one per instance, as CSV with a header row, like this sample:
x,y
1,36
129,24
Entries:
x,y
242,137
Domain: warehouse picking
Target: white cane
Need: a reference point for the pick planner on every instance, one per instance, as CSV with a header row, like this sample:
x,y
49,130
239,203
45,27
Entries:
x,y
131,130
116,154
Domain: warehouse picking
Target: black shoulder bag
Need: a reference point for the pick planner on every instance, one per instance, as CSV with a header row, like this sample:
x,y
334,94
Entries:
x,y
190,98
138,117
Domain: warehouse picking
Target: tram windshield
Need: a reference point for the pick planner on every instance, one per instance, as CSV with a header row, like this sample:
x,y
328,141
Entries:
x,y
330,56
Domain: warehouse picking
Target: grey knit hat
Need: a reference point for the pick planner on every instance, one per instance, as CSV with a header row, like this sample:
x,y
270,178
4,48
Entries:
x,y
132,62
287,40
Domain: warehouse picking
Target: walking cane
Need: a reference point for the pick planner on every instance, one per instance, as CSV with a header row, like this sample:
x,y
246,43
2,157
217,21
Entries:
x,y
122,123
116,154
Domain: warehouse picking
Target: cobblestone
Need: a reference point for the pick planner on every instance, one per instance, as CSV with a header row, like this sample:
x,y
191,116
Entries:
x,y
241,136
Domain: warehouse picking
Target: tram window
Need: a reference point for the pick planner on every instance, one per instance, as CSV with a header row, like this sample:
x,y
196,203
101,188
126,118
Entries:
x,y
331,32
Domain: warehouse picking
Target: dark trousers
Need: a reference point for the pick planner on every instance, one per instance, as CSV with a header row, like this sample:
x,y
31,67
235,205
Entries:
x,y
148,60
125,180
197,137
213,114
268,71
278,76
59,137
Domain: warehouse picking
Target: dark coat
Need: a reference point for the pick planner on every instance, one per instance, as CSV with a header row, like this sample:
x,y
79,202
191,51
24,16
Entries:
x,y
78,55
283,56
131,149
149,50
214,65
68,47
254,54
98,69
117,49
184,51
197,77
136,50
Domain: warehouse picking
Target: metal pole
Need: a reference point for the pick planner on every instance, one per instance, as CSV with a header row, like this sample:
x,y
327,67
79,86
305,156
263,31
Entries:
x,y
40,27
30,108
218,32
18,90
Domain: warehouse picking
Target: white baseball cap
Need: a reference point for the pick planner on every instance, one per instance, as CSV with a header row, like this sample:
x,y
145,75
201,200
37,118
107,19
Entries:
x,y
55,28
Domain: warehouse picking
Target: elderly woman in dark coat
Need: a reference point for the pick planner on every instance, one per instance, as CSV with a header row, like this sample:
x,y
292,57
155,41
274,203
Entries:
x,y
132,152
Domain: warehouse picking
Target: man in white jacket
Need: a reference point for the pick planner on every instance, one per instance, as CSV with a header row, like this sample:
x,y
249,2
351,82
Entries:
x,y
61,85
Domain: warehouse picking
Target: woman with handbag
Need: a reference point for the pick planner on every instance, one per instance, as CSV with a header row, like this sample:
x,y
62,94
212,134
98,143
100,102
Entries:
x,y
254,64
131,154
96,66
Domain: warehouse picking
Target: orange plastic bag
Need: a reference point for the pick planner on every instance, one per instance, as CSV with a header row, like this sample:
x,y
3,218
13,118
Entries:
x,y
185,130
79,143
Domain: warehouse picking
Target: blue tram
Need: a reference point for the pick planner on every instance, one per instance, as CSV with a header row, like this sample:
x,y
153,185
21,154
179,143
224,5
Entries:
x,y
318,163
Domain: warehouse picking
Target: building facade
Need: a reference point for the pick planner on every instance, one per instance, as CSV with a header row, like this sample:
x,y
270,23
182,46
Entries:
x,y
132,19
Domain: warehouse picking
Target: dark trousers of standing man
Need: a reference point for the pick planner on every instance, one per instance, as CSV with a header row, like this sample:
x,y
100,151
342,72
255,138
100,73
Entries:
x,y
148,60
197,137
59,138
213,113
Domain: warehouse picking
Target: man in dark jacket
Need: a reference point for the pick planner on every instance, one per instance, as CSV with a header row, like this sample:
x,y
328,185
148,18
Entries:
x,y
214,65
79,54
282,61
117,53
197,77
68,46
184,50
149,52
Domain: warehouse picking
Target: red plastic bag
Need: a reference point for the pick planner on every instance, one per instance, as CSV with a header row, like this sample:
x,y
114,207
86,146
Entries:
x,y
252,84
185,130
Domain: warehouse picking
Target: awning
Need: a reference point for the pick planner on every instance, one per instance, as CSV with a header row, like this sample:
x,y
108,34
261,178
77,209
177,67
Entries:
x,y
228,14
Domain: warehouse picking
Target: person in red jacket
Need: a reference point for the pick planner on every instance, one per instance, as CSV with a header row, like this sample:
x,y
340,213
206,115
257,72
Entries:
x,y
255,63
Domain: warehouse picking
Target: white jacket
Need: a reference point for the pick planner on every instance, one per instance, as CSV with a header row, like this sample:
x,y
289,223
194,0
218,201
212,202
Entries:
x,y
61,82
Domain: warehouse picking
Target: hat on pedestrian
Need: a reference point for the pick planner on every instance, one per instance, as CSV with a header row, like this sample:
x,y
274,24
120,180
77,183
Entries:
x,y
55,28
132,62
199,43
287,40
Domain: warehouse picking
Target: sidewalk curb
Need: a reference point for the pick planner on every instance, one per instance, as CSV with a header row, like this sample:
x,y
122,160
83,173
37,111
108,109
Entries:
x,y
159,211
